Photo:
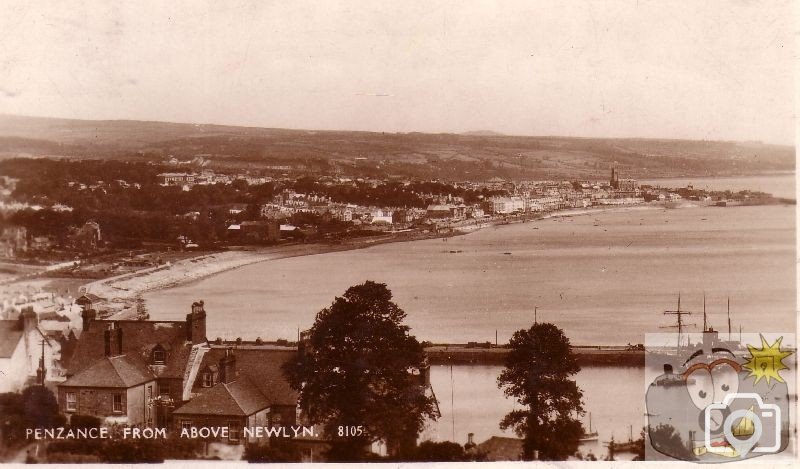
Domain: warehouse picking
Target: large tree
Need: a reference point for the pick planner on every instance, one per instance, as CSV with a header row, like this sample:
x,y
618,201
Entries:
x,y
34,407
537,373
355,374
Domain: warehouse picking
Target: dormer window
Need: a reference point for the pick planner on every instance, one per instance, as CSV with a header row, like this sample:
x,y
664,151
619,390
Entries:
x,y
208,379
159,355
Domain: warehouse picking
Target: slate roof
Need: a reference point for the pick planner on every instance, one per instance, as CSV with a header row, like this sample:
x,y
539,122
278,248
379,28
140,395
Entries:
x,y
499,448
10,335
138,340
260,383
112,372
246,394
89,296
52,316
262,365
240,398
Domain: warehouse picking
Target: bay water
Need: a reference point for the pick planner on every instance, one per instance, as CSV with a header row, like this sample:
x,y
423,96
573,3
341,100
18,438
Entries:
x,y
605,277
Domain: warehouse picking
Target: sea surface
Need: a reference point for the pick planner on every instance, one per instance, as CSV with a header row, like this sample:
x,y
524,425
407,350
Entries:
x,y
471,402
605,278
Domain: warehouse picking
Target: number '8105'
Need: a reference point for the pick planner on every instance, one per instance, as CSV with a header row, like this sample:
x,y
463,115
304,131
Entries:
x,y
351,430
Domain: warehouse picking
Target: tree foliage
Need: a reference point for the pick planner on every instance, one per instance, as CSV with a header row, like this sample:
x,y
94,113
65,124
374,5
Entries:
x,y
667,440
356,370
117,450
277,450
441,451
537,374
34,407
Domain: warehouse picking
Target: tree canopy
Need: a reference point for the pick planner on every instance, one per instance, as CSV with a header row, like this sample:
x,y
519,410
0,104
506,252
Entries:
x,y
356,374
34,407
442,451
537,373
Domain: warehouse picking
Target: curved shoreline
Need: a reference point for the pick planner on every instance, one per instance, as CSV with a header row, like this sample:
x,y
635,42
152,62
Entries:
x,y
121,292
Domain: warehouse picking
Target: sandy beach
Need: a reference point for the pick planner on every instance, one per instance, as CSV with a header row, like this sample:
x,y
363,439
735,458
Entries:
x,y
121,291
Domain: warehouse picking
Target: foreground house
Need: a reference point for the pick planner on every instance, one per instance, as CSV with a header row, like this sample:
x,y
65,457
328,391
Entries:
x,y
167,374
240,388
27,356
13,369
131,372
117,389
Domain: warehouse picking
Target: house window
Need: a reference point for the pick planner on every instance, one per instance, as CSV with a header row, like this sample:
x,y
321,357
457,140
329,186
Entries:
x,y
208,380
186,424
117,402
163,389
276,419
72,401
233,431
159,356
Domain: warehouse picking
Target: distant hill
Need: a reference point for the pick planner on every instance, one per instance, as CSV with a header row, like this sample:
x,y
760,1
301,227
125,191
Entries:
x,y
475,155
483,133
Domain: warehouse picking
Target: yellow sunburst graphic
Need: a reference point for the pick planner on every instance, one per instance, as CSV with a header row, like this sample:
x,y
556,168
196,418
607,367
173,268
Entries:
x,y
766,362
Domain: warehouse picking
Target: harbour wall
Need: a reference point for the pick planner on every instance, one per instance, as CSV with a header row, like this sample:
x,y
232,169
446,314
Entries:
x,y
468,354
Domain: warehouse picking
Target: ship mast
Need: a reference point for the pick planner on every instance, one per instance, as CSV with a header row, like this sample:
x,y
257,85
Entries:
x,y
705,323
679,323
729,319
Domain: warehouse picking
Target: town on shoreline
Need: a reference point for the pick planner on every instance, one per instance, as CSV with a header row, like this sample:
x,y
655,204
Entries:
x,y
330,214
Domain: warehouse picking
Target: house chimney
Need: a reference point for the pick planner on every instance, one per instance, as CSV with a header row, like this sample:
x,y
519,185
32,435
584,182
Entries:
x,y
227,367
470,441
196,323
88,315
107,340
29,319
112,340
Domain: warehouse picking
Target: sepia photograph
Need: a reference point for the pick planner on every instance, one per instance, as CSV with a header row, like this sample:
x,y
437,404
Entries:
x,y
398,232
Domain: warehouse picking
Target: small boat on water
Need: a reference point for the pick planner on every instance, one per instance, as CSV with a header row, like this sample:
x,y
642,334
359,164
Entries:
x,y
678,353
590,435
629,446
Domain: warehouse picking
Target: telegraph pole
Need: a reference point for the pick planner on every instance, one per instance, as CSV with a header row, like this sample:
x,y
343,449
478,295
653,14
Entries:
x,y
42,371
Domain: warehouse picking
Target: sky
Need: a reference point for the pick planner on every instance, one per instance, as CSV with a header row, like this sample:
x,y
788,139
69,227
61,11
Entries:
x,y
613,68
